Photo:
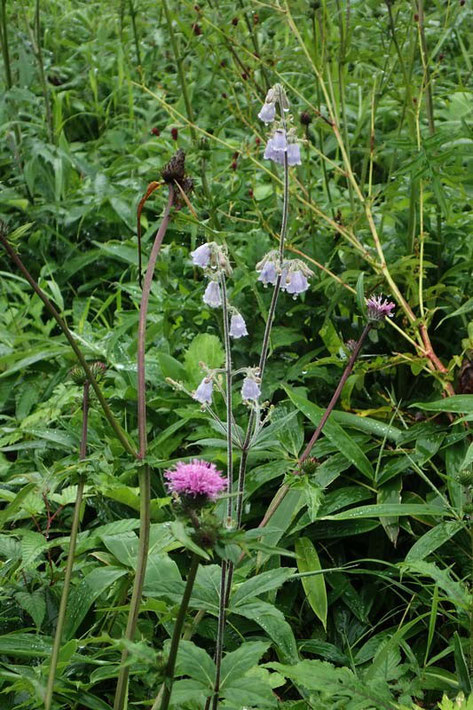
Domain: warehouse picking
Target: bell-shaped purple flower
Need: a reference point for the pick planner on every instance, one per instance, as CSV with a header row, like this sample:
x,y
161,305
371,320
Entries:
x,y
238,326
293,154
250,389
201,256
268,274
271,153
295,282
212,295
203,393
268,112
279,140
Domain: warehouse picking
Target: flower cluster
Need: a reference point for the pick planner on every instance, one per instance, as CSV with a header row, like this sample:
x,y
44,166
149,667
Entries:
x,y
198,479
294,273
379,309
282,145
278,146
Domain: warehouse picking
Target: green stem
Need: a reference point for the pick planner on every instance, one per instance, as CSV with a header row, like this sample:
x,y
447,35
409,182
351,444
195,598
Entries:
x,y
42,75
165,694
70,557
144,475
135,32
77,351
5,48
180,71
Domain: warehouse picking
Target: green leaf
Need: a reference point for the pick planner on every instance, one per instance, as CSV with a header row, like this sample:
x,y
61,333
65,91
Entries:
x,y
196,663
433,539
273,622
84,595
32,545
204,348
388,510
314,587
458,404
259,584
334,432
237,663
34,604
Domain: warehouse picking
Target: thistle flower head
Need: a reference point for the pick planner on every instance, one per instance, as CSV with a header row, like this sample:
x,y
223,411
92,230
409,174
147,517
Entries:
x,y
198,480
379,309
237,326
212,295
295,276
78,375
268,268
203,393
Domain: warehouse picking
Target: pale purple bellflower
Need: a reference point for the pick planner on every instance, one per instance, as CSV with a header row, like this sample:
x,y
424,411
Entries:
x,y
268,112
203,393
212,296
201,256
295,277
250,389
268,268
238,326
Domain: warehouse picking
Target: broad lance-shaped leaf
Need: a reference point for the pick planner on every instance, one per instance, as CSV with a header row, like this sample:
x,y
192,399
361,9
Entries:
x,y
388,510
458,403
314,587
273,622
272,579
333,431
83,596
433,539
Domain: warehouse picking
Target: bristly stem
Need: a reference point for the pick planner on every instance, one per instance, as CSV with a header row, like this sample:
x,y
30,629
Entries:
x,y
165,693
144,474
281,494
70,557
223,578
77,351
135,31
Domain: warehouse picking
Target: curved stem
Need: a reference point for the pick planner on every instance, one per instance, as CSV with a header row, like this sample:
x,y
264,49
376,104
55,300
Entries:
x,y
77,351
70,557
144,474
165,693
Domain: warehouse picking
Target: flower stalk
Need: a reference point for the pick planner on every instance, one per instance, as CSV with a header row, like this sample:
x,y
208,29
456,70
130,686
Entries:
x,y
164,696
71,554
144,473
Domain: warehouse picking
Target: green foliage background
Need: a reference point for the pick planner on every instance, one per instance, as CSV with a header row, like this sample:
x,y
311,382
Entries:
x,y
92,108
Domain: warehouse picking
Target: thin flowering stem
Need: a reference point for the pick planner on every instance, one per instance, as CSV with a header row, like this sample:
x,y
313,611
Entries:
x,y
123,438
281,494
144,473
228,378
165,693
71,554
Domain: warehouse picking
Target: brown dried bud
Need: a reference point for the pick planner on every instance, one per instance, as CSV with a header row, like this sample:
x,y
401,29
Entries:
x,y
305,118
175,169
174,133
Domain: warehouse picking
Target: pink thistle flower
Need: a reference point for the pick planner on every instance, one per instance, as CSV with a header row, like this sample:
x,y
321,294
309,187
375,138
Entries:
x,y
198,479
379,309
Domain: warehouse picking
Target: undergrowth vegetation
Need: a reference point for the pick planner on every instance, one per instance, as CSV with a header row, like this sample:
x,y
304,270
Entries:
x,y
333,570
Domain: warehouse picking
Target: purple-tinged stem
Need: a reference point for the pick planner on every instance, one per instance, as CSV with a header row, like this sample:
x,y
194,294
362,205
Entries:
x,y
144,474
281,494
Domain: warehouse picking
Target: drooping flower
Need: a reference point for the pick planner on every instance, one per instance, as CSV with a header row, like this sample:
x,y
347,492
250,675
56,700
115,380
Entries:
x,y
295,277
293,154
201,255
271,153
238,326
250,389
267,268
212,296
379,309
279,140
196,480
268,112
203,393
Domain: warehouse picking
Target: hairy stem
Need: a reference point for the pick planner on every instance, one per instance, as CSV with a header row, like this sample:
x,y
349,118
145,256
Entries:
x,y
135,31
77,351
70,557
144,474
165,693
